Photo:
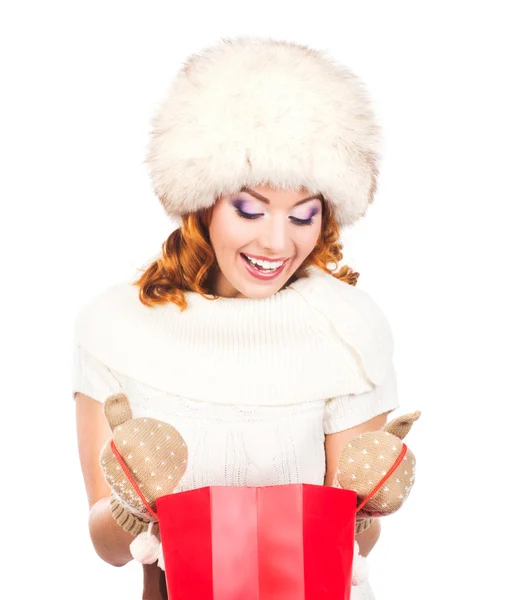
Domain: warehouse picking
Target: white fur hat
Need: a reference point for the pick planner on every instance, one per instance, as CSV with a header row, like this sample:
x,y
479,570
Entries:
x,y
253,111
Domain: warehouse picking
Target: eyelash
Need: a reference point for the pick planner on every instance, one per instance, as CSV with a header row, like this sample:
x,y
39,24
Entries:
x,y
250,217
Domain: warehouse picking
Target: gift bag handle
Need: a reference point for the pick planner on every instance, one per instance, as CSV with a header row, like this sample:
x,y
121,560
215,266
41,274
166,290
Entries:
x,y
131,479
398,461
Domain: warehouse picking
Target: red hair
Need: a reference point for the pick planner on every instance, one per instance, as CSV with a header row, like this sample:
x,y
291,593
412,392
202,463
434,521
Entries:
x,y
188,261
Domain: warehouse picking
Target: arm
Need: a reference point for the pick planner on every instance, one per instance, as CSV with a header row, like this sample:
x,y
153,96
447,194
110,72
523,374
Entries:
x,y
335,443
110,541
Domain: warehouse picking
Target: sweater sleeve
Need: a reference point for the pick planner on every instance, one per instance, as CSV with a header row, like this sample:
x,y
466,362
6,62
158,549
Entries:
x,y
345,412
92,377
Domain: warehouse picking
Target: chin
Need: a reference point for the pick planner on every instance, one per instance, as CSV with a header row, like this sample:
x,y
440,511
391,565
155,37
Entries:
x,y
249,287
259,292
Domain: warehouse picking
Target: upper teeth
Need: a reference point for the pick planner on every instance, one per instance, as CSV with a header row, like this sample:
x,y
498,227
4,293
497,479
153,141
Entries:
x,y
266,264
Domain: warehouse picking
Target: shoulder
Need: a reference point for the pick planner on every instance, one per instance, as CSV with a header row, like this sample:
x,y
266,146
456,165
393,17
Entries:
x,y
361,302
354,316
326,292
112,302
111,318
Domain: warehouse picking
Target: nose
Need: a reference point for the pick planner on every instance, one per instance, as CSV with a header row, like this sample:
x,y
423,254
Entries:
x,y
274,235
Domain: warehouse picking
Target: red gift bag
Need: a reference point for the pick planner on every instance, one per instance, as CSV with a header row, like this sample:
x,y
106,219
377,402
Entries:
x,y
287,542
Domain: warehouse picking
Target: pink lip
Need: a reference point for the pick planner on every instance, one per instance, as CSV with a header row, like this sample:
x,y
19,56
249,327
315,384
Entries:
x,y
258,274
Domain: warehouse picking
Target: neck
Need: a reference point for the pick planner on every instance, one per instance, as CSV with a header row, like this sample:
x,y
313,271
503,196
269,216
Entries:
x,y
224,289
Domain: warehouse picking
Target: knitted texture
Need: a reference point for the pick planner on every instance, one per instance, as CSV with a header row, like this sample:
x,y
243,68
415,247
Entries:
x,y
239,444
318,324
363,524
129,522
367,458
153,451
198,370
401,426
117,410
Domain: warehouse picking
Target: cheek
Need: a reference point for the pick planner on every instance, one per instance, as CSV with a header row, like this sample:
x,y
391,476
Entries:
x,y
226,232
307,240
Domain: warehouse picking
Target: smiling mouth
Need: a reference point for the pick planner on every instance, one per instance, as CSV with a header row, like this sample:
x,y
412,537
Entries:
x,y
264,266
264,270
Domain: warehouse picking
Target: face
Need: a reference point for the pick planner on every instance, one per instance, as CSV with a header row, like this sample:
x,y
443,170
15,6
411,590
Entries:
x,y
260,237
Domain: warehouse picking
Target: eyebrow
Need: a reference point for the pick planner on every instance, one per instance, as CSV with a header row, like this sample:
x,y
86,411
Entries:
x,y
267,201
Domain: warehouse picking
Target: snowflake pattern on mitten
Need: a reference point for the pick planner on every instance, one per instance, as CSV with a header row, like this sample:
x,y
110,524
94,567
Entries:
x,y
153,451
367,458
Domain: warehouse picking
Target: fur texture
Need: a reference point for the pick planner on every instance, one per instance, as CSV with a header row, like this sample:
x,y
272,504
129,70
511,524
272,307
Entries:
x,y
255,111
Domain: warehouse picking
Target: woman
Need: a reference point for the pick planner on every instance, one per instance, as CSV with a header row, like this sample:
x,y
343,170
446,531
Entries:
x,y
240,335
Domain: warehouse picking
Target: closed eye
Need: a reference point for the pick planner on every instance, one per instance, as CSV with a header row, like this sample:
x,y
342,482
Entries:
x,y
252,216
245,215
298,221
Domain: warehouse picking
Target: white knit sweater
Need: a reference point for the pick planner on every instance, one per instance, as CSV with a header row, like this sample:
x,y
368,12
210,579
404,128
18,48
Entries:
x,y
253,386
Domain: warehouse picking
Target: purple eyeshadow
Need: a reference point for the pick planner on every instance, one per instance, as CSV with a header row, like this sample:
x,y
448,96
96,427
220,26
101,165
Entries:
x,y
243,206
314,211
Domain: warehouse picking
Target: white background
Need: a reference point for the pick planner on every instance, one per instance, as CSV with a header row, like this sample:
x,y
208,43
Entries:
x,y
442,252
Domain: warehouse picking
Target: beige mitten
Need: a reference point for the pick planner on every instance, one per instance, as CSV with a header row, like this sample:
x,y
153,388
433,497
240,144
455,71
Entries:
x,y
152,452
369,458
